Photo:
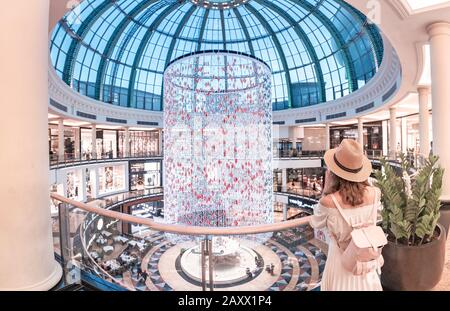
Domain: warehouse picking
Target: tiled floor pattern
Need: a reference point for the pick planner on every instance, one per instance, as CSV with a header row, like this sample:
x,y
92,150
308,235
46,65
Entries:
x,y
302,274
153,270
301,268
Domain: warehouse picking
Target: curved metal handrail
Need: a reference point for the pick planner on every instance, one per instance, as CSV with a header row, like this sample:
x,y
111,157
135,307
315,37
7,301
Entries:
x,y
83,242
185,230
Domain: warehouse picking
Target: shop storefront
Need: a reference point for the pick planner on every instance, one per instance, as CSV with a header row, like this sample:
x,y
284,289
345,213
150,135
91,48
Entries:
x,y
71,137
373,137
90,182
74,185
303,142
145,175
86,144
307,182
108,144
151,210
142,143
277,180
408,138
105,144
111,179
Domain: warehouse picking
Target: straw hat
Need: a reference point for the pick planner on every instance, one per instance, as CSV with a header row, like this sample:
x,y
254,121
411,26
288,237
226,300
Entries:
x,y
348,161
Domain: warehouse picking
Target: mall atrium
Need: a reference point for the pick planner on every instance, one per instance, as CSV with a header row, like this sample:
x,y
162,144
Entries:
x,y
178,145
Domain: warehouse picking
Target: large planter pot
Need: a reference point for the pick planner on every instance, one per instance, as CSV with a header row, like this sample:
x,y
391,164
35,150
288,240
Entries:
x,y
414,268
445,216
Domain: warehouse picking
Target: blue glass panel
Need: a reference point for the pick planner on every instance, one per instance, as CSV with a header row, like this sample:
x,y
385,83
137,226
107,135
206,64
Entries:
x,y
338,44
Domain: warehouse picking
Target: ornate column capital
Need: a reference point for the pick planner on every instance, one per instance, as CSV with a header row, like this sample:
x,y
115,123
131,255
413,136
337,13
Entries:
x,y
438,28
424,89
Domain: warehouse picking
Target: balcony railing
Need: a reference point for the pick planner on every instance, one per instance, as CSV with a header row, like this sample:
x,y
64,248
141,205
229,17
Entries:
x,y
100,241
294,154
76,159
131,196
306,193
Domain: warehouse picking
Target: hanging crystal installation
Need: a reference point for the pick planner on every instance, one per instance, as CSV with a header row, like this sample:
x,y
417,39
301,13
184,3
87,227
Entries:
x,y
218,141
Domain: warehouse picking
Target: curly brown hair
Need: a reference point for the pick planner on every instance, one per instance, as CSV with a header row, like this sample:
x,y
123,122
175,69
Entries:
x,y
352,193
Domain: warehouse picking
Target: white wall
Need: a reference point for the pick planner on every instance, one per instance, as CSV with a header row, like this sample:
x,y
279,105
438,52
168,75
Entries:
x,y
314,139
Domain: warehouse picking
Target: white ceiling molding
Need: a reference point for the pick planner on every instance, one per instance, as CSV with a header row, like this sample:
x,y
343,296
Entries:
x,y
424,79
403,9
420,6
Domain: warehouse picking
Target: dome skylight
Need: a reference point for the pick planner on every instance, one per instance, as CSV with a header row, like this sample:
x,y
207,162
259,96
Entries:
x,y
116,51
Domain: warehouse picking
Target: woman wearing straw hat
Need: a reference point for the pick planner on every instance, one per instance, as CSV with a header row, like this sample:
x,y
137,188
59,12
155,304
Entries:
x,y
348,194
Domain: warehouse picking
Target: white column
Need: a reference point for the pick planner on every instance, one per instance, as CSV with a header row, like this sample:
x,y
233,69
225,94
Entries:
x,y
404,136
384,125
94,141
127,142
77,143
127,177
361,133
61,149
285,212
393,133
26,257
82,190
96,185
440,77
424,121
327,136
294,143
283,180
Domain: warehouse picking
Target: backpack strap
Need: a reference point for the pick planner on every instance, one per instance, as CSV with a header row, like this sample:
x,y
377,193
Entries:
x,y
374,213
341,211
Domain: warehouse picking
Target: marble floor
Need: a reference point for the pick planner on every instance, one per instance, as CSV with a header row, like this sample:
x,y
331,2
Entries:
x,y
297,268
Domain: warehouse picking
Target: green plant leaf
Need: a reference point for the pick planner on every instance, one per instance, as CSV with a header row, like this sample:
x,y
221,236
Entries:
x,y
410,219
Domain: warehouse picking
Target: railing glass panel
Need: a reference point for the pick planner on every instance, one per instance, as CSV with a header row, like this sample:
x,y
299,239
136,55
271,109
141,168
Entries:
x,y
140,254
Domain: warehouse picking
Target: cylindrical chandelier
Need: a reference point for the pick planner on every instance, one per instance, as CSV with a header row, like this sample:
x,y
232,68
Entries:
x,y
218,141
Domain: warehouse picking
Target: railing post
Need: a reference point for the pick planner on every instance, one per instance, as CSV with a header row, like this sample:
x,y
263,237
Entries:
x,y
211,264
203,264
71,273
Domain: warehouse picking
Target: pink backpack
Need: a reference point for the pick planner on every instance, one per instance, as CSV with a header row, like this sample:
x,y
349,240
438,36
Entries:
x,y
363,254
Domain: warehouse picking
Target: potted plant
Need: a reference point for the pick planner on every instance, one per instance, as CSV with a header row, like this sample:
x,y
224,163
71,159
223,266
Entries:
x,y
415,255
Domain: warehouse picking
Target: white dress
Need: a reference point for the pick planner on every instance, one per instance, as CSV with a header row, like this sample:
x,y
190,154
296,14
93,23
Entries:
x,y
335,276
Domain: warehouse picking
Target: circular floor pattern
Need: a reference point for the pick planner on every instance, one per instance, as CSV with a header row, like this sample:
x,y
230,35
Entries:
x,y
296,269
298,263
229,283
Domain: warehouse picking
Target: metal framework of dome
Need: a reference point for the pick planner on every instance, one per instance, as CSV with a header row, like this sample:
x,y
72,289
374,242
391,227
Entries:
x,y
116,51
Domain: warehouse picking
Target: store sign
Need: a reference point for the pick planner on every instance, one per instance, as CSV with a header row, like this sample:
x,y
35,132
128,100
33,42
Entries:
x,y
301,202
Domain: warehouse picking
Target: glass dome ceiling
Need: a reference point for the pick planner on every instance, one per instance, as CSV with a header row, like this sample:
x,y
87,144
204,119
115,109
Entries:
x,y
116,51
